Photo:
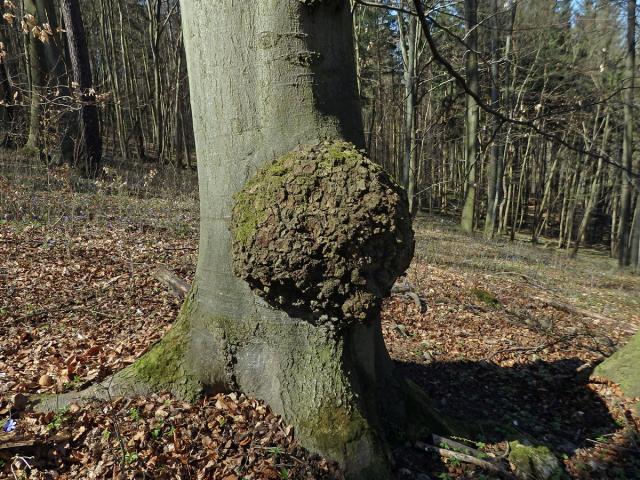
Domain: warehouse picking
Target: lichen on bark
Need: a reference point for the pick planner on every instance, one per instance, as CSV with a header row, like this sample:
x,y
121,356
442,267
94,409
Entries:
x,y
322,233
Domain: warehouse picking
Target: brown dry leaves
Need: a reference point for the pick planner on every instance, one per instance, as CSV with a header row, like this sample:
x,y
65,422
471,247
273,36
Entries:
x,y
225,437
79,304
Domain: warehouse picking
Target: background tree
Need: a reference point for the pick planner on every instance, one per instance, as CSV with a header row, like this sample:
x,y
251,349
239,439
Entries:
x,y
471,121
624,249
91,151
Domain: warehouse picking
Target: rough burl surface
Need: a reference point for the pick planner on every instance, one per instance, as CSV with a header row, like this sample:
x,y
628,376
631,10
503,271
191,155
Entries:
x,y
322,233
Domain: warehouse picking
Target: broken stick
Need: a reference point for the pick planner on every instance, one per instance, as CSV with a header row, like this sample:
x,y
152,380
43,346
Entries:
x,y
177,286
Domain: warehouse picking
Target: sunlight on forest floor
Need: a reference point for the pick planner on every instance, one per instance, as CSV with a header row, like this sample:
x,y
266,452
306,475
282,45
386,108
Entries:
x,y
504,347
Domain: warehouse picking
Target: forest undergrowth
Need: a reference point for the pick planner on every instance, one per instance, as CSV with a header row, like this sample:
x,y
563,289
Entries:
x,y
503,341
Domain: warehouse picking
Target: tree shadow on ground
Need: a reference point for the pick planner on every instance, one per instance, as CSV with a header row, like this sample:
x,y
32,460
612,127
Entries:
x,y
542,403
548,403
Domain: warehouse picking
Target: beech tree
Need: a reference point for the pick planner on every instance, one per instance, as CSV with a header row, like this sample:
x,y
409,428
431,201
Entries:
x,y
319,236
471,119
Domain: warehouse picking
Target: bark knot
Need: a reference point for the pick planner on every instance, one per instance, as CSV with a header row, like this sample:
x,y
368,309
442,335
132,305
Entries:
x,y
322,233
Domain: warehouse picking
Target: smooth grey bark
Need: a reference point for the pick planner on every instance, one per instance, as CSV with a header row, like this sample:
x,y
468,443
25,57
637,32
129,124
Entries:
x,y
472,116
627,142
408,47
36,62
594,193
265,77
6,93
47,74
635,237
494,169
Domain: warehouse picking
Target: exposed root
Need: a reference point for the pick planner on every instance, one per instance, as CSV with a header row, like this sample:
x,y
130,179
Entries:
x,y
121,384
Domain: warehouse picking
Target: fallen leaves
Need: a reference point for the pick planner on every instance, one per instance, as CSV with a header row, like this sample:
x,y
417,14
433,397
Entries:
x,y
226,436
78,302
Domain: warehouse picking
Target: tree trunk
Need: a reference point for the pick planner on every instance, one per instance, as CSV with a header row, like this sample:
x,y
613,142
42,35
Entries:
x,y
471,131
36,82
494,169
6,94
57,107
265,77
591,204
81,66
627,145
409,163
635,237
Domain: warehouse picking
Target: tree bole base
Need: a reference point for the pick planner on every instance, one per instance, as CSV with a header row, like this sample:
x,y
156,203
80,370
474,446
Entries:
x,y
336,388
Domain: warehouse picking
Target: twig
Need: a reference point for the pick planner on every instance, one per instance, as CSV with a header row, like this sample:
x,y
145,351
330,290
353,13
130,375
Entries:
x,y
78,302
567,308
463,457
612,447
537,348
178,286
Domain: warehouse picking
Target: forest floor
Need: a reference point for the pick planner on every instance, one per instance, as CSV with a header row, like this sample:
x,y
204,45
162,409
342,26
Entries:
x,y
502,348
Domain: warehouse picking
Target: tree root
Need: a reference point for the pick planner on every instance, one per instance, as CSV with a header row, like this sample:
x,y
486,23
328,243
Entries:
x,y
121,384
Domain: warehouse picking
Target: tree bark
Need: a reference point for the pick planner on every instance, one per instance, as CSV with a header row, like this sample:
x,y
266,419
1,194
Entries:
x,y
471,130
409,164
36,63
635,237
627,145
6,93
82,77
494,169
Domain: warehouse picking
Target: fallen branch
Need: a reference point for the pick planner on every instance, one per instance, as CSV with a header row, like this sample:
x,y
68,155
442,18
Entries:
x,y
407,290
535,349
568,308
463,457
17,443
177,286
448,443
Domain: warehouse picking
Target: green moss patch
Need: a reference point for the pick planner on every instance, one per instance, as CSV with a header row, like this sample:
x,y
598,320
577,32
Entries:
x,y
486,297
623,367
534,463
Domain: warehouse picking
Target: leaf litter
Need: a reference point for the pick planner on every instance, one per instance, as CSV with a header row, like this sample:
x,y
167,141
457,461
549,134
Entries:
x,y
78,302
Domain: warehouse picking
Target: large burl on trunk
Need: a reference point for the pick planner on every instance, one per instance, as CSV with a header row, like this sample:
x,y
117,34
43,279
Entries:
x,y
318,236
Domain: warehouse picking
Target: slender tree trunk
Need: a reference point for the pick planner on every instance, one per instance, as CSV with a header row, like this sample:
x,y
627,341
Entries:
x,y
471,126
627,145
409,164
36,82
81,66
591,203
57,94
7,91
635,237
494,169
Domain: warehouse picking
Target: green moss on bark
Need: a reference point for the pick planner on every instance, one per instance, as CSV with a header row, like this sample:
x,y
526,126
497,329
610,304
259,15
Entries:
x,y
163,367
261,191
341,433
